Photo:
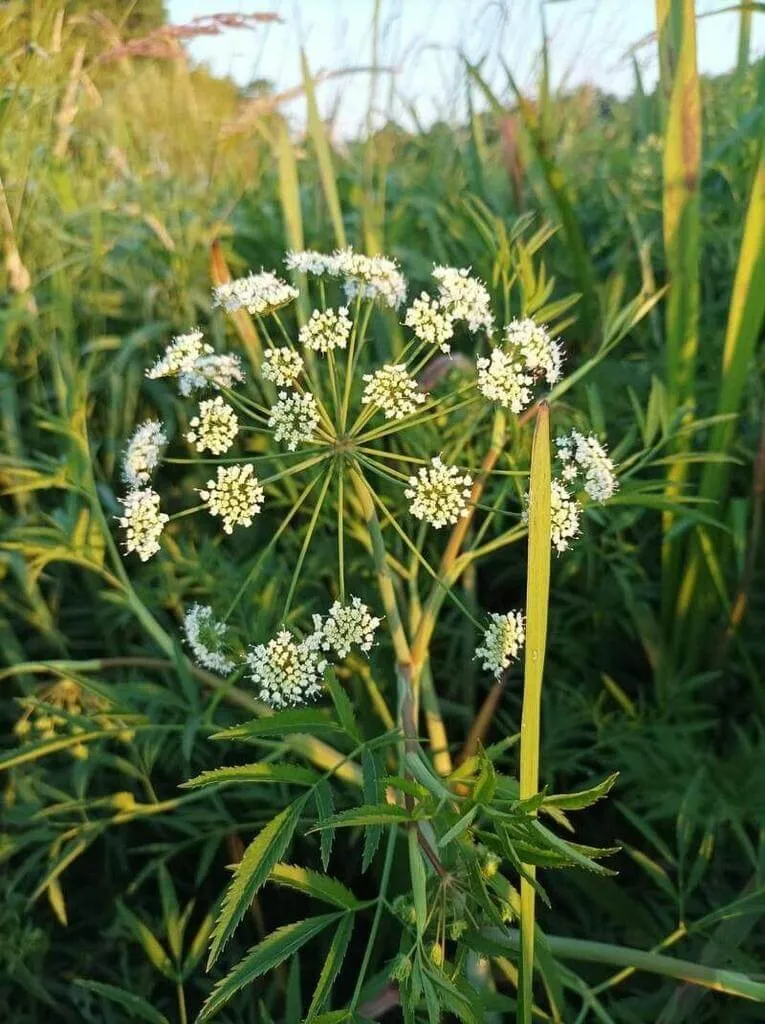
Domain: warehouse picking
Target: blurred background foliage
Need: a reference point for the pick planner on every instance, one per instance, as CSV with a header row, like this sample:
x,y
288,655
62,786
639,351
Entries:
x,y
120,166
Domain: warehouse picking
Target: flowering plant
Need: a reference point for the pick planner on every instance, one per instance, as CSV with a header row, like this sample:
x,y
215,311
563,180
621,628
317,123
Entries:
x,y
360,422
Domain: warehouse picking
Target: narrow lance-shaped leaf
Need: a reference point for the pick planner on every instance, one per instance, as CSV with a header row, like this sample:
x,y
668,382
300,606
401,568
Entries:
x,y
272,951
252,872
331,967
537,600
322,887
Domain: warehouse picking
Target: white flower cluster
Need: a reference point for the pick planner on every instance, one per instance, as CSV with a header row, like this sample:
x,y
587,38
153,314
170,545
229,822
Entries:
x,y
142,453
195,364
207,639
501,642
464,297
539,354
215,428
430,322
372,277
586,456
308,261
287,671
282,366
294,418
439,493
143,522
565,515
257,293
217,371
326,330
347,625
502,379
393,390
507,376
180,356
235,495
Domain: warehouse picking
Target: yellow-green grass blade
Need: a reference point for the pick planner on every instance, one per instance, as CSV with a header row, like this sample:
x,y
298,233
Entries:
x,y
745,319
676,23
321,145
537,600
289,198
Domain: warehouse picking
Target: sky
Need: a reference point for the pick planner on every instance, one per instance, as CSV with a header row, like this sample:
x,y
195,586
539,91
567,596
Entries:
x,y
419,43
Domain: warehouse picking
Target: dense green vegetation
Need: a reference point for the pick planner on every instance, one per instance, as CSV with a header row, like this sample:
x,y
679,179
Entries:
x,y
636,228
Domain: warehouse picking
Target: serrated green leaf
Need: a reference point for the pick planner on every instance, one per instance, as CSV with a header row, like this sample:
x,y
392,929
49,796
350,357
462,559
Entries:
x,y
322,887
584,798
272,951
343,707
133,1004
252,872
283,723
371,788
380,814
263,771
572,852
325,807
331,967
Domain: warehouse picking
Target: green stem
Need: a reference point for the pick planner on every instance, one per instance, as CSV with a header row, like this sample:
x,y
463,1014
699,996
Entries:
x,y
390,847
716,978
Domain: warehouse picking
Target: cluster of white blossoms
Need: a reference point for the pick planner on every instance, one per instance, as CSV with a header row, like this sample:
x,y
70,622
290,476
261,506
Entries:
x,y
216,371
293,418
142,522
142,453
180,356
347,625
502,379
257,293
235,495
326,330
282,366
215,428
584,456
207,639
565,516
540,355
508,375
439,493
393,390
502,642
371,277
287,671
196,365
430,322
464,297
308,261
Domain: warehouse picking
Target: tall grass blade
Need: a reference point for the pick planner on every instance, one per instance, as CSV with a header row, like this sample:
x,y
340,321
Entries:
x,y
318,133
745,319
676,24
537,600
